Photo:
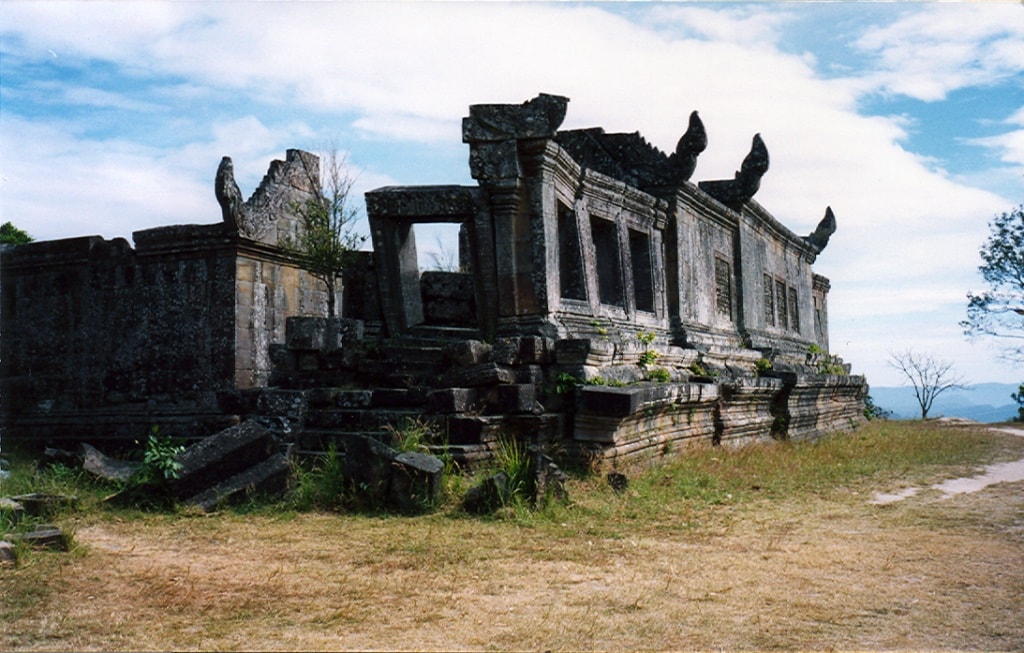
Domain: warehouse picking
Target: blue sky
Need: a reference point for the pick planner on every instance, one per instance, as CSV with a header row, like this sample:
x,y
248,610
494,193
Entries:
x,y
906,118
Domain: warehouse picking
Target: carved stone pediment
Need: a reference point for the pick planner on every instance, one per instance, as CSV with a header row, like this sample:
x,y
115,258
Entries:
x,y
267,214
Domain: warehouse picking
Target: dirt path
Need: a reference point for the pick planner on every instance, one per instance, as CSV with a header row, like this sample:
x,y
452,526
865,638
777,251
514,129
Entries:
x,y
839,572
1006,472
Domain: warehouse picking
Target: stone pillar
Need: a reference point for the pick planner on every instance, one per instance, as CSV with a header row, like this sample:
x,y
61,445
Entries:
x,y
500,138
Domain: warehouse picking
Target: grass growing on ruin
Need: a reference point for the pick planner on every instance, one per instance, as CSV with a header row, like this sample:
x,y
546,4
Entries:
x,y
679,551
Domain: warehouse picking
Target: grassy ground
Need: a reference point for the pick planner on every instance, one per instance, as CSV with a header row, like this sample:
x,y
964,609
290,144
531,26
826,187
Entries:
x,y
767,547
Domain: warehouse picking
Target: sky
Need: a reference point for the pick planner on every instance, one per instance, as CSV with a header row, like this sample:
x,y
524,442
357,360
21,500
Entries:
x,y
907,118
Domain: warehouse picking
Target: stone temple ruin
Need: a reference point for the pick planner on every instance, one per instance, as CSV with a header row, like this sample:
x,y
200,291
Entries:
x,y
605,306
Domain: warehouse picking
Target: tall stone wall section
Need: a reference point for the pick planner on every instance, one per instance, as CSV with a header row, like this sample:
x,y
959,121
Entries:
x,y
103,340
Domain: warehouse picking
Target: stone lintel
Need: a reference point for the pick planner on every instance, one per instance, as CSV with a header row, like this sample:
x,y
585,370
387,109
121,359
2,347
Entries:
x,y
423,204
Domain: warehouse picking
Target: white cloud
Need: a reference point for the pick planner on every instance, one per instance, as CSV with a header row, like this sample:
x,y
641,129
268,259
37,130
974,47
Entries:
x,y
944,47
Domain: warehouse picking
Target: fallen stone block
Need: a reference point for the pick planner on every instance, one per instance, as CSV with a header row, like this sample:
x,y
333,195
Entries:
x,y
269,478
45,536
416,481
368,468
487,496
549,480
38,504
8,554
221,456
96,462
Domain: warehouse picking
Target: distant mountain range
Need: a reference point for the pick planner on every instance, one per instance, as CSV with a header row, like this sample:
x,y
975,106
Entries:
x,y
982,402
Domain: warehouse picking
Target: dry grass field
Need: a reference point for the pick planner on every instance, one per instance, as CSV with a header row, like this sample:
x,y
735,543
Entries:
x,y
768,547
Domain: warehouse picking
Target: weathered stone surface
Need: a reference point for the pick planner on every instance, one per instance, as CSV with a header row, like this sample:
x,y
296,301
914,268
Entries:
x,y
42,504
287,407
44,536
221,456
8,553
269,212
452,400
111,469
584,352
745,411
518,398
310,333
737,191
448,298
549,480
469,352
536,118
483,374
487,496
368,468
268,478
416,481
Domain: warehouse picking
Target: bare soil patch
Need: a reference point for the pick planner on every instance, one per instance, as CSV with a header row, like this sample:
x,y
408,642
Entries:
x,y
825,570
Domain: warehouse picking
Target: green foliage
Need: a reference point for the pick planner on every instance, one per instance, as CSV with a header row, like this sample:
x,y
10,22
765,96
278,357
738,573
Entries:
x,y
326,241
999,311
874,411
658,374
825,362
148,486
11,235
647,359
321,487
763,366
412,434
1019,398
513,457
697,369
566,383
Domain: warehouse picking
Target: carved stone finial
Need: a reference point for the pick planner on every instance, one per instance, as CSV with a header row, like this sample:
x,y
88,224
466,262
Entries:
x,y
738,190
287,184
536,118
232,205
690,145
819,238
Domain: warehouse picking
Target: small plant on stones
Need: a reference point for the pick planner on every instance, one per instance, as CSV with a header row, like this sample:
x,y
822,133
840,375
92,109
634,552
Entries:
x,y
649,357
148,485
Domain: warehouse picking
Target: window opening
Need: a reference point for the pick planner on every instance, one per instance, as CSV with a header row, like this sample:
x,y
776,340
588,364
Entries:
x,y
609,268
780,305
570,256
769,300
794,312
643,280
723,287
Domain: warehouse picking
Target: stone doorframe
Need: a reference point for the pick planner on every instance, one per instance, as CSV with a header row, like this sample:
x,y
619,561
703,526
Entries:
x,y
393,211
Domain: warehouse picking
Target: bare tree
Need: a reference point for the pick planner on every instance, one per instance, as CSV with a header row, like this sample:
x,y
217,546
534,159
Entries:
x,y
326,242
929,376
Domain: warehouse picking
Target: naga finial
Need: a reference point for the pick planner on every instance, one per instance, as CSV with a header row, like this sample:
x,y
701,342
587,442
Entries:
x,y
747,180
819,238
691,144
232,205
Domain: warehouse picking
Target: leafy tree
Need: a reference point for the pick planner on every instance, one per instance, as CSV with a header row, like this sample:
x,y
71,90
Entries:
x,y
929,376
1019,398
11,235
999,311
326,243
